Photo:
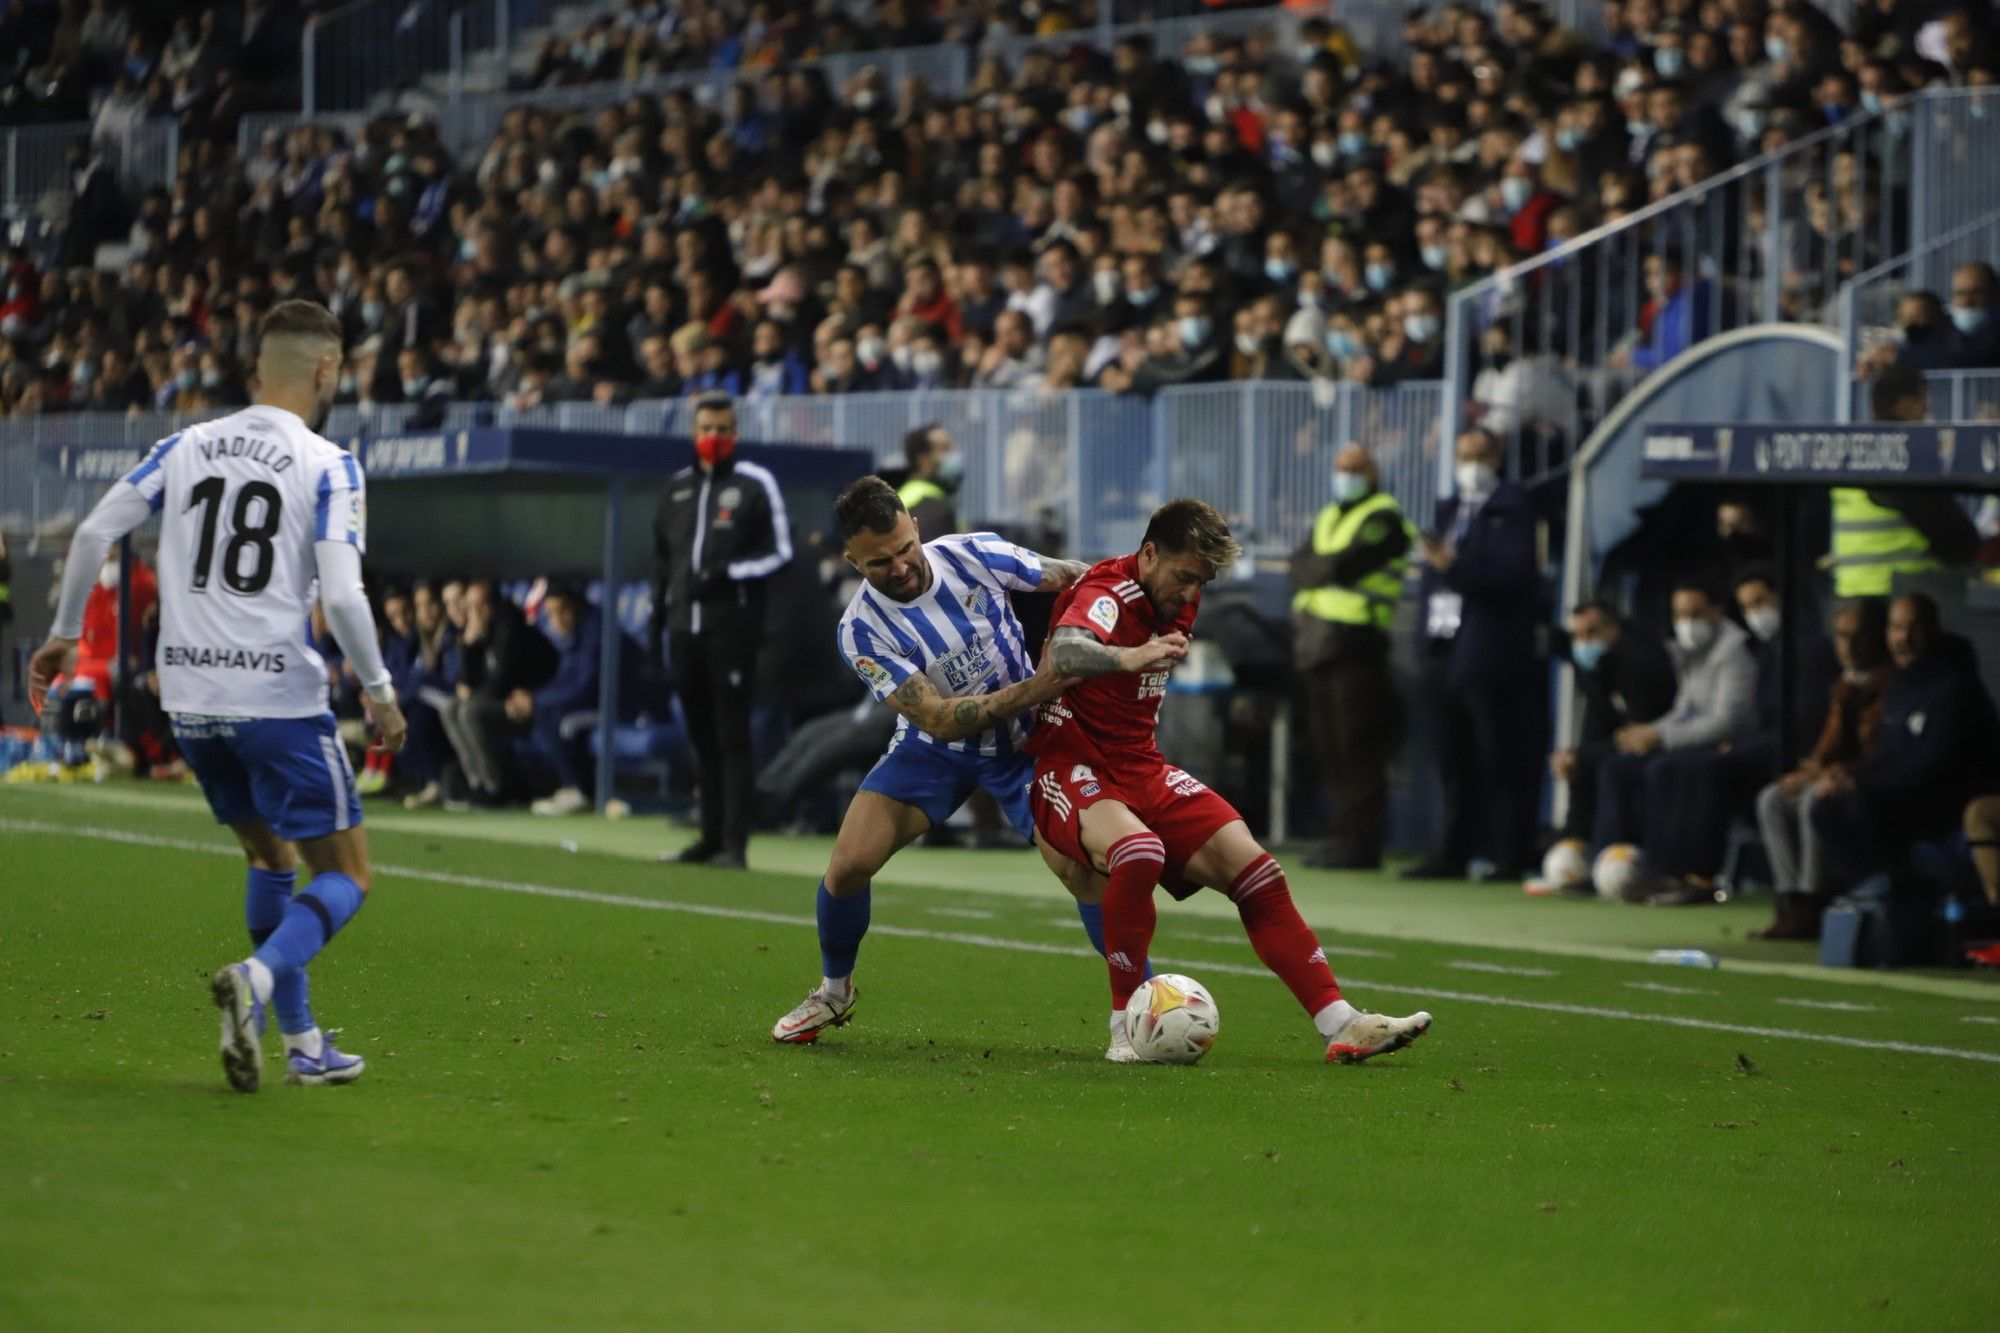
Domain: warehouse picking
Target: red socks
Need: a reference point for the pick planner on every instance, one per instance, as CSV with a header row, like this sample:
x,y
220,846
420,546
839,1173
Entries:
x,y
1277,932
1136,862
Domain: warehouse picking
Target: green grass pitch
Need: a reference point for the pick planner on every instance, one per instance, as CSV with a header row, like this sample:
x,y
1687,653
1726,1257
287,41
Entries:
x,y
574,1118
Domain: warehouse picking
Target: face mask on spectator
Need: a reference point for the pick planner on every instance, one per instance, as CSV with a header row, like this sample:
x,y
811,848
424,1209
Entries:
x,y
468,250
1193,330
1353,143
1080,119
951,470
901,357
371,312
1763,622
1349,487
928,364
1105,280
84,375
1420,328
1515,191
1968,318
1325,152
1342,344
1669,61
1156,131
1202,65
1436,257
414,389
869,350
1247,343
1143,296
1777,50
211,379
347,385
187,379
1568,139
1627,83
1587,654
1280,270
1474,479
1639,129
1753,124
1379,276
1871,101
1694,636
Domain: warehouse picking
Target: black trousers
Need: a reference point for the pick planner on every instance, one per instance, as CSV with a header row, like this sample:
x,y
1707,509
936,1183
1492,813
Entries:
x,y
715,674
1490,755
1355,721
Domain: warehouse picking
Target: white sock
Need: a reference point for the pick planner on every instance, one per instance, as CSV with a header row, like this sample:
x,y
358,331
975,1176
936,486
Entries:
x,y
261,980
841,989
1117,1021
309,1043
1334,1017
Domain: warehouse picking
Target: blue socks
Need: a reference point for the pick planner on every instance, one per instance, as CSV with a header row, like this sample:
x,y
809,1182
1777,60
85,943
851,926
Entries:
x,y
842,923
266,895
1092,916
315,915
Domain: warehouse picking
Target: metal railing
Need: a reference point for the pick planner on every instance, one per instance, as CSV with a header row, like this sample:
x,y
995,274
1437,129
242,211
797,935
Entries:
x,y
1094,463
34,159
1770,240
352,55
1867,306
1964,395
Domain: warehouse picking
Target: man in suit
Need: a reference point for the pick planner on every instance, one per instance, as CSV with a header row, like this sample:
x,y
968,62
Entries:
x,y
1481,603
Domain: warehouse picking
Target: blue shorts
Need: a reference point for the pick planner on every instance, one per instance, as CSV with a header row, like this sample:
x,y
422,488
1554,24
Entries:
x,y
290,772
937,780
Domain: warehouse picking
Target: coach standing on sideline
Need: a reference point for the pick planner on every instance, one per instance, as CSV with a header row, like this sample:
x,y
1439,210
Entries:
x,y
720,532
1349,576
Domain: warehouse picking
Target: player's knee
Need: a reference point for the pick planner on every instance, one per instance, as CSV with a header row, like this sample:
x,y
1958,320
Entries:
x,y
847,875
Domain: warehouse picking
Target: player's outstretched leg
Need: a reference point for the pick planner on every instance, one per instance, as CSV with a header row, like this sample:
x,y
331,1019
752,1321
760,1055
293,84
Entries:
x,y
310,1058
875,828
1288,946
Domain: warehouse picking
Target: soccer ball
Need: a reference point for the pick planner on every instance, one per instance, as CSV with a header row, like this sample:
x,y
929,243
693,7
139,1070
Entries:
x,y
1567,864
1171,1020
1618,869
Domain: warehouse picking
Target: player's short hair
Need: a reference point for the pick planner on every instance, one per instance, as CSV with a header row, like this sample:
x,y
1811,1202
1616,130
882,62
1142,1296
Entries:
x,y
869,505
299,319
1188,526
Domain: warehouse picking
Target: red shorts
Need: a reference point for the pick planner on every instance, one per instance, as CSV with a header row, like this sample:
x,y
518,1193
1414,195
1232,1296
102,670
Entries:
x,y
1173,804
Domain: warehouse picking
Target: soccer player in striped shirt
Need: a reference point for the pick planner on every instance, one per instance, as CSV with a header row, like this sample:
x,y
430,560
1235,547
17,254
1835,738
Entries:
x,y
933,635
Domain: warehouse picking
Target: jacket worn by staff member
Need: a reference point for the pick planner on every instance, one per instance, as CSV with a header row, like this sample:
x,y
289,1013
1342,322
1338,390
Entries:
x,y
930,505
1717,700
1872,543
1853,714
1937,742
717,536
1349,576
1479,618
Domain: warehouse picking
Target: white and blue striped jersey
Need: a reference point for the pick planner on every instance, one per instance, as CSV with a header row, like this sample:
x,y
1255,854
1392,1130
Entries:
x,y
242,501
961,632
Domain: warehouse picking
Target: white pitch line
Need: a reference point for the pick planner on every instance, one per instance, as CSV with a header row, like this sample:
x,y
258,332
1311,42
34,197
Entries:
x,y
1981,1018
970,913
1662,988
1018,946
1836,1006
1498,969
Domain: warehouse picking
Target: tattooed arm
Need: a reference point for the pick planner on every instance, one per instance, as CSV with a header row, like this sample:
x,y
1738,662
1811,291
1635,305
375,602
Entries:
x,y
969,714
1075,651
1059,574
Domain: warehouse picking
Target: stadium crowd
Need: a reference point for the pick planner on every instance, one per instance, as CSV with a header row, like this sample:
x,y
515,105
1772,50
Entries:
x,y
1129,219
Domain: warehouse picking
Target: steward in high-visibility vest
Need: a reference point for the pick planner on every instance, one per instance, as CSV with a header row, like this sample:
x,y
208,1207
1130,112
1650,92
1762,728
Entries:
x,y
1872,544
935,469
1349,578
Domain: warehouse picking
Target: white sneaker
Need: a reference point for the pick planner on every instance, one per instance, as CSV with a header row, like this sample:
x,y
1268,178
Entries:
x,y
1368,1035
1121,1051
817,1012
568,801
423,798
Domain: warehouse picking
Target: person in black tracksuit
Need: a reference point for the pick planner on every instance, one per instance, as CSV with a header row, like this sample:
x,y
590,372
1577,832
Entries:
x,y
721,531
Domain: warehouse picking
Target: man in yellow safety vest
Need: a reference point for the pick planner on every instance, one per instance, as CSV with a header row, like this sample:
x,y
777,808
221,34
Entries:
x,y
1880,534
936,467
1349,576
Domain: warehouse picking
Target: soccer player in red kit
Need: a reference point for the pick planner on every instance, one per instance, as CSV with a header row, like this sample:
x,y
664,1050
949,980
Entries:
x,y
1104,796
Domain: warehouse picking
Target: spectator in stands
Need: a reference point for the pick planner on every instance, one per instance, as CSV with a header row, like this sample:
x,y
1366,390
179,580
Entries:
x,y
425,680
1846,740
1481,604
1625,676
499,654
1880,533
1974,295
1641,789
1677,315
935,470
1937,746
572,627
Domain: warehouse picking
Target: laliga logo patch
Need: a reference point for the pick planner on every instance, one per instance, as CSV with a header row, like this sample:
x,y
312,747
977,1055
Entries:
x,y
1103,613
871,671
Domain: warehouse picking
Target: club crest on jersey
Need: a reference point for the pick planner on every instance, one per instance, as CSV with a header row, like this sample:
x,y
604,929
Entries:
x,y
1103,613
729,497
976,601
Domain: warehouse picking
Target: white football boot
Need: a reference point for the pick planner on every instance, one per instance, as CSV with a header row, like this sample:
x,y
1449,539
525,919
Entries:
x,y
1366,1035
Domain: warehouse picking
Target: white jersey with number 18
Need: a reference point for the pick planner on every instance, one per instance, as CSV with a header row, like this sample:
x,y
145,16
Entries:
x,y
241,501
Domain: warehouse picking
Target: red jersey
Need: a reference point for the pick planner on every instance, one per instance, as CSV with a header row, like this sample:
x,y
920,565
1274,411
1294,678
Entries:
x,y
1110,722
